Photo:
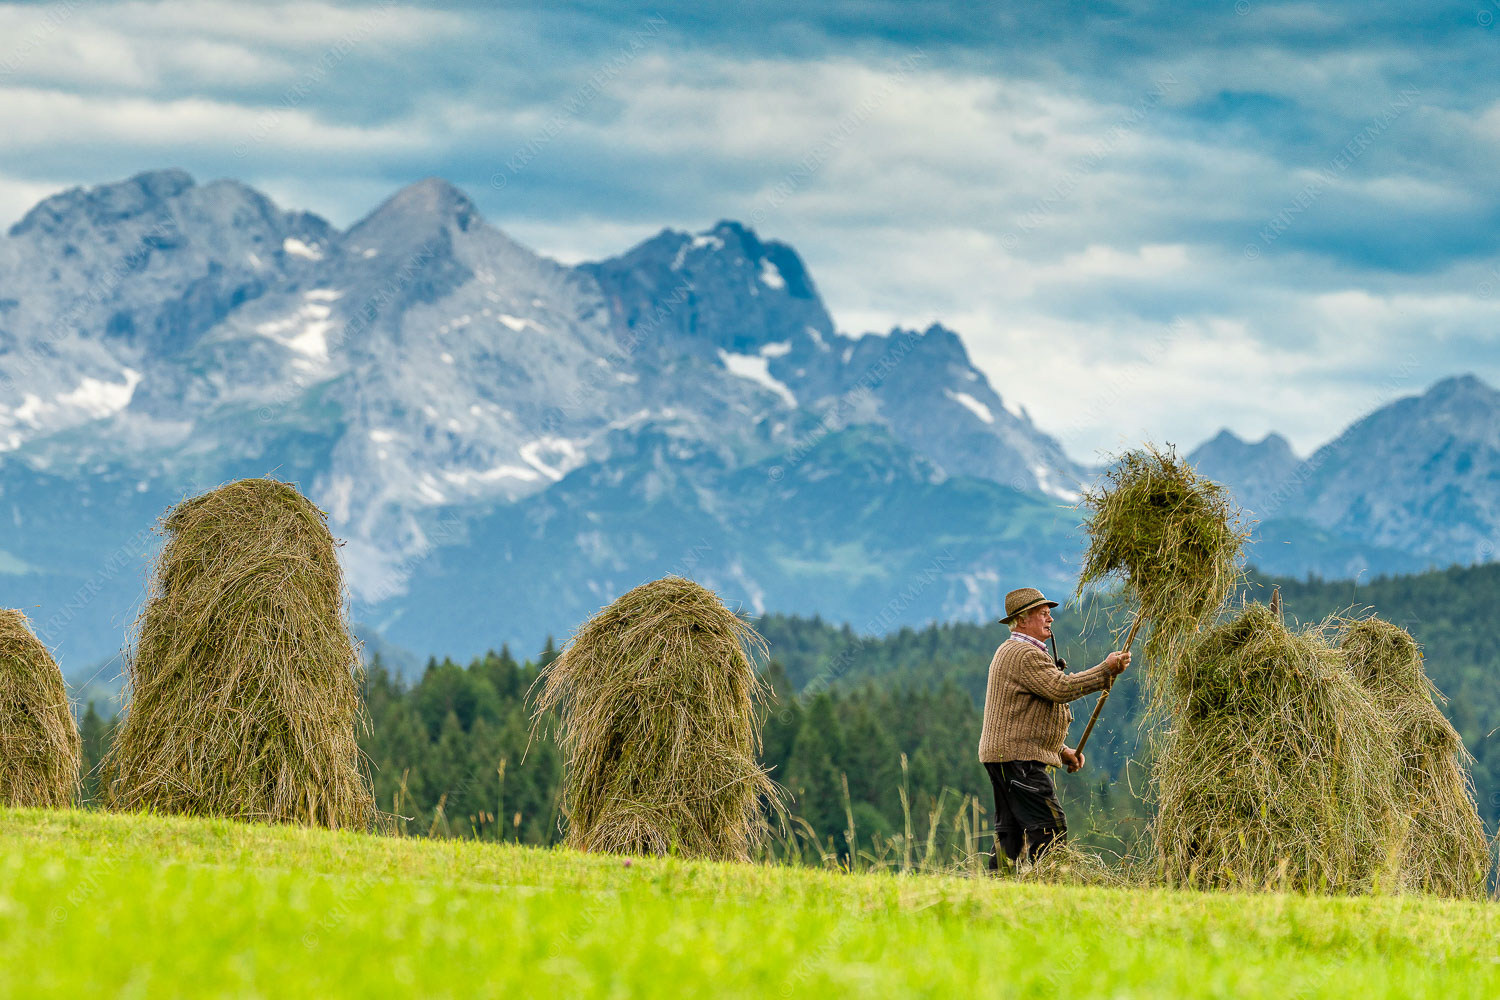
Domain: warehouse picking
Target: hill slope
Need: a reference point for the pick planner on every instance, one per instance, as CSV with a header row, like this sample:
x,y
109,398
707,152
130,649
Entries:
x,y
95,904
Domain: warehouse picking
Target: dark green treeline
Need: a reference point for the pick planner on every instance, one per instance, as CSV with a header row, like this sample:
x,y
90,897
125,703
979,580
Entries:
x,y
453,753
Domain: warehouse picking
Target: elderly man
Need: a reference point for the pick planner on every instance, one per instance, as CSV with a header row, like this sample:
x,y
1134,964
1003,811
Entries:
x,y
1026,718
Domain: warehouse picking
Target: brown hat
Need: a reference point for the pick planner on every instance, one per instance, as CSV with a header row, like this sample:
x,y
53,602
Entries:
x,y
1018,602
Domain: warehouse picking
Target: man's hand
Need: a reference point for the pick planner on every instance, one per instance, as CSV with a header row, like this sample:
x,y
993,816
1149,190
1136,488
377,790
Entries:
x,y
1071,758
1117,661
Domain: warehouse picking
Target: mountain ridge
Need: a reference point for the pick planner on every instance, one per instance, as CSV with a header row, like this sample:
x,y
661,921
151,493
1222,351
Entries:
x,y
430,381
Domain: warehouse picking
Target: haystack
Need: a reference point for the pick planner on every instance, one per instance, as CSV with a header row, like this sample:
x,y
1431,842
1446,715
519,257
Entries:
x,y
658,709
39,745
243,679
1173,538
1443,848
1278,771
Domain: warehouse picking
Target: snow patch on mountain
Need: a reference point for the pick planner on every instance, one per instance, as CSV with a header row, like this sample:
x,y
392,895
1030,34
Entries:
x,y
1044,480
758,370
971,404
297,248
305,331
770,275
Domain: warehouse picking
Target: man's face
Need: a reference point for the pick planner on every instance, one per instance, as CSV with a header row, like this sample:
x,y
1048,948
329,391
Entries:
x,y
1038,624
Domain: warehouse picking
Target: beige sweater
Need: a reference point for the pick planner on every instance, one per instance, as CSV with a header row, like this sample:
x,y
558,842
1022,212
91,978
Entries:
x,y
1026,712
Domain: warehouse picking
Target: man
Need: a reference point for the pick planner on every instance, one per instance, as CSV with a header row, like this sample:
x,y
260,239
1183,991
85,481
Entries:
x,y
1026,718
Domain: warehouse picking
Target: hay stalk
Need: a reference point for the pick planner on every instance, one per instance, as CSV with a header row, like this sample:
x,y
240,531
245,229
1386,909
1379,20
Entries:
x,y
657,705
1277,772
39,746
244,698
1442,844
1173,539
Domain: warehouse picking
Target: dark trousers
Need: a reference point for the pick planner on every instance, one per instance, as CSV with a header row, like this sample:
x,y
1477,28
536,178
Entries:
x,y
1028,817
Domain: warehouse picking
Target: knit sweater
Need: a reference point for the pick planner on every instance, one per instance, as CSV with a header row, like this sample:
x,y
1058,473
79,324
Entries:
x,y
1026,712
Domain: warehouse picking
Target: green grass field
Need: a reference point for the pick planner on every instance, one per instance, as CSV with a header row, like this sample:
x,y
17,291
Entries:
x,y
103,905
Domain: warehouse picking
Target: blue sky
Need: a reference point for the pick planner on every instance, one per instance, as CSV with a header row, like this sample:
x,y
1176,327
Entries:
x,y
1146,222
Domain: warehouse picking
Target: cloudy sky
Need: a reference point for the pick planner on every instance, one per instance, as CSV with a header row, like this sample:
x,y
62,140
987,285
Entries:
x,y
1145,223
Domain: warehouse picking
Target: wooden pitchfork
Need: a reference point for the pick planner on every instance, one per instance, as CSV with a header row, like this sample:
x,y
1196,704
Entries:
x,y
1104,696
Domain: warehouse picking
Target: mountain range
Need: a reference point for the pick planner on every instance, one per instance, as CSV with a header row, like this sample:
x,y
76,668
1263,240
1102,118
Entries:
x,y
506,443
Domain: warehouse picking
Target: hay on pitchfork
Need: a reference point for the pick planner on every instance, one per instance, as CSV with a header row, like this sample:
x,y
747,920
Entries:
x,y
658,710
1443,845
1172,537
1279,770
244,698
39,745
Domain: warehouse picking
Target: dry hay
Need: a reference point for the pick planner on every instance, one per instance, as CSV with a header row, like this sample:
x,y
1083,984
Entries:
x,y
1174,538
244,676
1443,848
1279,771
39,745
658,708
1063,864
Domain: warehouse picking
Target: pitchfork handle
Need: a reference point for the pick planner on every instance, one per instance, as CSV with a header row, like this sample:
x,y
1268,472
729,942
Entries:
x,y
1129,640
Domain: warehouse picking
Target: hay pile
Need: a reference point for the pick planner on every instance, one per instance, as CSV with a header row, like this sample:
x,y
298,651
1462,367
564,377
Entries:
x,y
39,745
1443,848
658,709
1278,772
1064,864
1174,537
243,679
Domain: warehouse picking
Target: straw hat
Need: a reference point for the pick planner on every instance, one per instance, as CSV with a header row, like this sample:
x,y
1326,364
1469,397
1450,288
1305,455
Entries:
x,y
1018,602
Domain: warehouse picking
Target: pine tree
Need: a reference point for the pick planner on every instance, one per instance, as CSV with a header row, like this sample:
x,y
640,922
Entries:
x,y
96,735
874,765
813,770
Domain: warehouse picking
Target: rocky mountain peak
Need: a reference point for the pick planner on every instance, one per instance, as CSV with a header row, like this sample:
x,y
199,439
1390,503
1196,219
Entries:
x,y
1461,404
425,204
727,290
1258,474
1229,448
1414,475
105,204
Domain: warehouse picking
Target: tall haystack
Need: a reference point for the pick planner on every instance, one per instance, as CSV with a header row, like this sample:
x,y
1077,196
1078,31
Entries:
x,y
1173,537
1278,770
658,709
1443,845
244,676
39,745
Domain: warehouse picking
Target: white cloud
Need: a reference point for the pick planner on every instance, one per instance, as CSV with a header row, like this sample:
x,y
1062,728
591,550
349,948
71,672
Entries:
x,y
45,119
17,197
142,47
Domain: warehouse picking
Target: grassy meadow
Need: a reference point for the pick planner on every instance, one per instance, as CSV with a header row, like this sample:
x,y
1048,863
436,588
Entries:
x,y
97,904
